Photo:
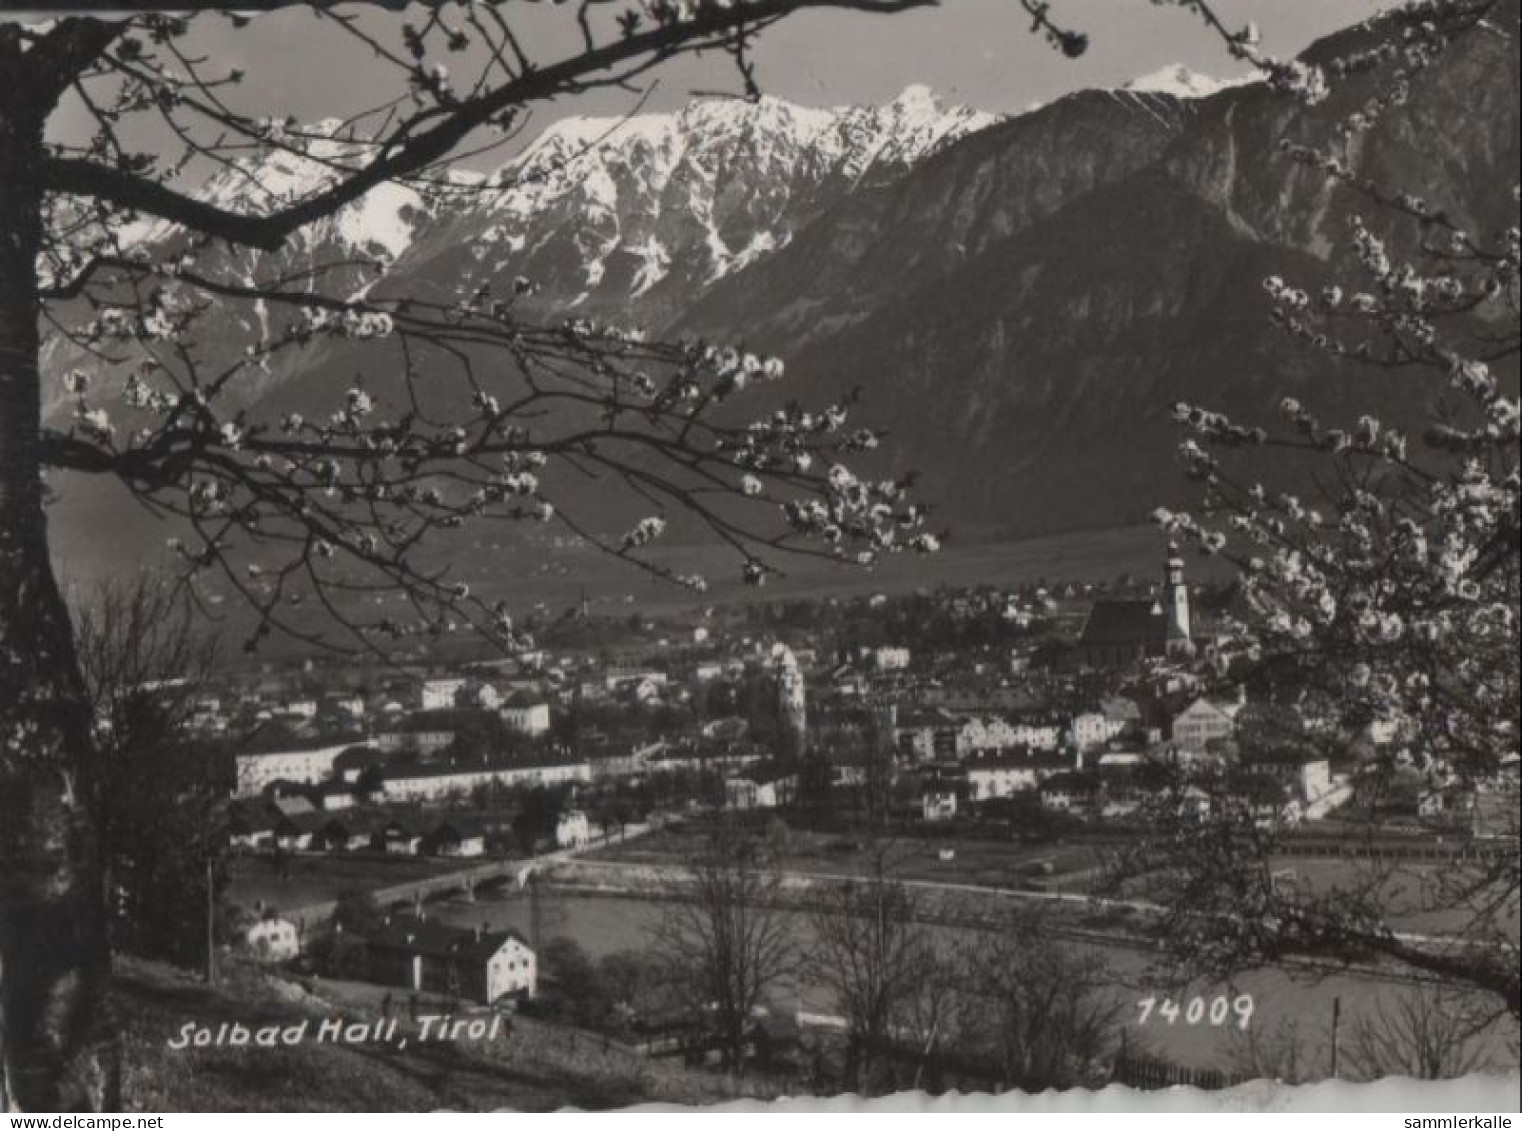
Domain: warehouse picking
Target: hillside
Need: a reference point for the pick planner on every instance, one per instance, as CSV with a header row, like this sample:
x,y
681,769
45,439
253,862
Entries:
x,y
1024,309
537,1067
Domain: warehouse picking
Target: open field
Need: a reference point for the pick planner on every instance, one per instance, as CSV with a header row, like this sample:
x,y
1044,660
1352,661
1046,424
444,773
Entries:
x,y
1417,895
983,861
1412,890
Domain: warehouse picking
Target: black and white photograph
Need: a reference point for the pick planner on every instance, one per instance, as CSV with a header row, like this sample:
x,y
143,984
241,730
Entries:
x,y
579,554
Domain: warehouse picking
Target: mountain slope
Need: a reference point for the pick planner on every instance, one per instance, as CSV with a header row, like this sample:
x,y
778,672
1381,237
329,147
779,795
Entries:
x,y
638,216
1023,309
877,245
1022,302
617,218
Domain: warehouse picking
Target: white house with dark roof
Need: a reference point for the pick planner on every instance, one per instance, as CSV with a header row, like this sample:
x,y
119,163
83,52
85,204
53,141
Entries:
x,y
1204,721
1008,772
425,956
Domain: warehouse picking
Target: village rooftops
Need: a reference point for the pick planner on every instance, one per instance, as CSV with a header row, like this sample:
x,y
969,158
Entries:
x,y
1076,781
273,739
1121,621
450,769
1120,709
293,804
437,719
1020,758
252,814
360,758
1282,756
356,822
930,718
457,828
430,938
766,773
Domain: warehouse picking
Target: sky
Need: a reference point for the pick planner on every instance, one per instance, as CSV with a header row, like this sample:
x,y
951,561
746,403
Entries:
x,y
978,53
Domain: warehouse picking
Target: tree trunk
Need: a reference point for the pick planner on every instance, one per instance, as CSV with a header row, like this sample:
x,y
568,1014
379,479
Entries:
x,y
57,1050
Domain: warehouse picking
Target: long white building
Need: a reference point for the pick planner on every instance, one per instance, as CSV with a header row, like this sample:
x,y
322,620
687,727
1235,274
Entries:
x,y
434,783
309,766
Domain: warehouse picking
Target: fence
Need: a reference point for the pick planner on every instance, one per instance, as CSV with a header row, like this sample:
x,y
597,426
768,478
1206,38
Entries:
x,y
1152,1074
1458,850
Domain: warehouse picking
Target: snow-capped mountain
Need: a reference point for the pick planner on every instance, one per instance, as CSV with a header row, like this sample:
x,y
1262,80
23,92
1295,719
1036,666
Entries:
x,y
1182,82
602,211
629,218
639,214
1021,307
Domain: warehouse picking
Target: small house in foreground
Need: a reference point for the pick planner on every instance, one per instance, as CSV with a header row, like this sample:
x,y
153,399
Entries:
x,y
474,963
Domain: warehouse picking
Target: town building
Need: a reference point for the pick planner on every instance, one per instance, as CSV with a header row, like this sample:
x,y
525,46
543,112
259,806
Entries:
x,y
1203,722
1112,718
1036,728
573,829
1077,791
440,694
456,839
426,732
938,803
526,714
273,940
352,832
251,824
435,783
927,735
762,787
1123,632
400,838
1008,772
352,763
1308,779
425,956
334,796
306,764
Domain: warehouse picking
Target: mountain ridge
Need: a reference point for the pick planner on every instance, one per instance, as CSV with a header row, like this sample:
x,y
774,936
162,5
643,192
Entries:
x,y
1023,302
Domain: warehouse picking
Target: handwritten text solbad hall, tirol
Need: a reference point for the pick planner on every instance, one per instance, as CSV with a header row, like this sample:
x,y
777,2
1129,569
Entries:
x,y
337,1031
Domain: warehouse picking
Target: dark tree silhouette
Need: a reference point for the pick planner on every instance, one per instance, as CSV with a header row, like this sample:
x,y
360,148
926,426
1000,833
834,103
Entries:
x,y
163,809
292,513
725,940
874,956
1379,616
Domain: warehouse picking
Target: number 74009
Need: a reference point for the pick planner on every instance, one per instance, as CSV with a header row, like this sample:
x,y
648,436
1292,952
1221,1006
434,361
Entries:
x,y
1197,1010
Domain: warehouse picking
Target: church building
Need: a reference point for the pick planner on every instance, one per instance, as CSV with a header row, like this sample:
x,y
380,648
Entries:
x,y
1120,633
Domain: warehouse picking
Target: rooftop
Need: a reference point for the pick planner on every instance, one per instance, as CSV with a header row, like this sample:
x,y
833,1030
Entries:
x,y
433,939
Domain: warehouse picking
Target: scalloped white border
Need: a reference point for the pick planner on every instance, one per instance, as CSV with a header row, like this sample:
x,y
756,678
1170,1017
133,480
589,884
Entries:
x,y
1478,1094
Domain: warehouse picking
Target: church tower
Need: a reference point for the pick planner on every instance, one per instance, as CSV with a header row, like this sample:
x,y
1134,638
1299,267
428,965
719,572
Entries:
x,y
1178,637
791,707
